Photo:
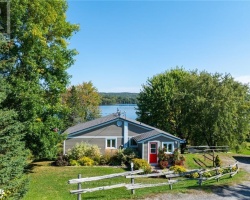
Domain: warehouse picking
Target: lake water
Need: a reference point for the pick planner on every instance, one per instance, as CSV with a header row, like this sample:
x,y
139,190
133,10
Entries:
x,y
128,109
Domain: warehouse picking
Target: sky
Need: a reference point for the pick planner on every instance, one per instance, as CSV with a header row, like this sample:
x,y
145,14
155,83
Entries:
x,y
123,43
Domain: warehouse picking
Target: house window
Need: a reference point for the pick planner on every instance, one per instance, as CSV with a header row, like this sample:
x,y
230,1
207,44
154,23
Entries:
x,y
111,143
132,143
168,146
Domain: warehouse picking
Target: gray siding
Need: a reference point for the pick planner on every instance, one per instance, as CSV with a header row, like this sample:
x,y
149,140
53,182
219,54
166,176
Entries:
x,y
97,136
100,142
69,143
134,130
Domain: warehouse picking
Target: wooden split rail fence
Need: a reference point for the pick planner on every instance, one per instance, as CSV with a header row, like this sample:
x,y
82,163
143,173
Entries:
x,y
135,174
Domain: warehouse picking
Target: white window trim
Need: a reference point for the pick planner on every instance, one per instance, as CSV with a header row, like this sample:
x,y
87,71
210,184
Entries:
x,y
167,143
130,145
106,143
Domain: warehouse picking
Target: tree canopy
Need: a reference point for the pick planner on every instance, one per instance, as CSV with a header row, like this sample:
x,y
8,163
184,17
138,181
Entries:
x,y
200,107
39,35
109,98
83,103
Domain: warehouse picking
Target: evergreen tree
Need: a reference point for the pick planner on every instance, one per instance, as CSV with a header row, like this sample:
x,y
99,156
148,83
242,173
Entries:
x,y
12,148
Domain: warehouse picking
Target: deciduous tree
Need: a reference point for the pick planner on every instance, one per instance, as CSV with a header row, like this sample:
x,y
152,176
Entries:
x,y
200,107
39,35
83,102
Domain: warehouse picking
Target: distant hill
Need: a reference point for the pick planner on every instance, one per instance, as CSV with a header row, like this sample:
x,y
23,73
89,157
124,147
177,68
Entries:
x,y
111,98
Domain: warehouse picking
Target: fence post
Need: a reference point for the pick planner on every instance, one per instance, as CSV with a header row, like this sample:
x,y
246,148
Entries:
x,y
132,179
200,179
231,169
170,185
213,158
217,173
79,187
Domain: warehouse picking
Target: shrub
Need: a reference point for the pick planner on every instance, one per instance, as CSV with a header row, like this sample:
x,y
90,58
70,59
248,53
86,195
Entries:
x,y
176,155
182,158
217,161
238,148
163,164
105,159
93,152
234,168
123,156
73,163
142,164
194,175
206,174
220,171
130,154
62,160
178,169
84,149
162,156
86,161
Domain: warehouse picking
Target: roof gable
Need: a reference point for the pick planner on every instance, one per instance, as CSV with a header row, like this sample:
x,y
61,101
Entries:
x,y
150,131
91,124
155,133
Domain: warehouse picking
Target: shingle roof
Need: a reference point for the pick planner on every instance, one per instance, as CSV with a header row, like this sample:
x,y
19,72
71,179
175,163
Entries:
x,y
91,123
114,117
150,134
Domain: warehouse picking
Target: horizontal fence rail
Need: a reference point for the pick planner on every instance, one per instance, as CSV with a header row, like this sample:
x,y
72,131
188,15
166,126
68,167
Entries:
x,y
232,170
96,178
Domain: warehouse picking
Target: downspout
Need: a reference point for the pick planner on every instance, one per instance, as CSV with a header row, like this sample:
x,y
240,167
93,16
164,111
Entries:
x,y
125,134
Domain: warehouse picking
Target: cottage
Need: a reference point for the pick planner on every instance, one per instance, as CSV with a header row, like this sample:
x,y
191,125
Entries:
x,y
115,131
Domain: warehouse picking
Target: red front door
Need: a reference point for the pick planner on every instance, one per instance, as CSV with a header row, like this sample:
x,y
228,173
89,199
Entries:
x,y
153,152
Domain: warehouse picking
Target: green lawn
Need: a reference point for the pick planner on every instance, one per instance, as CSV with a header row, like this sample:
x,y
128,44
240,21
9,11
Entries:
x,y
50,182
246,151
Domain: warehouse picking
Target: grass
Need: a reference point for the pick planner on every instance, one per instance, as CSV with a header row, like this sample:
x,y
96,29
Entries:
x,y
246,150
50,182
196,161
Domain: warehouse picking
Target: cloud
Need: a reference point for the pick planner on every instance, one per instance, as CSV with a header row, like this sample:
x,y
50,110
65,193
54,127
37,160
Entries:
x,y
243,79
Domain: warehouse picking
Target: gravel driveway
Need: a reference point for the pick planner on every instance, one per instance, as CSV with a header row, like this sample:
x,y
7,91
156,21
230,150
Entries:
x,y
236,192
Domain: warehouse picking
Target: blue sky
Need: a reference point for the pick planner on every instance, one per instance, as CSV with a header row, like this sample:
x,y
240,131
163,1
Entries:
x,y
123,43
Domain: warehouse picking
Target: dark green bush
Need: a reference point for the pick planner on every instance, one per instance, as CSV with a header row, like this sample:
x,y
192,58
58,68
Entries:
x,y
62,160
123,156
217,161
